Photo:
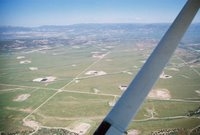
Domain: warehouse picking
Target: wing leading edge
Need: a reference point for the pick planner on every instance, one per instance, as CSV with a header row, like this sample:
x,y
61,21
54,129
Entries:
x,y
118,119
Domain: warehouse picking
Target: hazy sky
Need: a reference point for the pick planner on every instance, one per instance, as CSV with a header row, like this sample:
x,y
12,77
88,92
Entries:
x,y
64,12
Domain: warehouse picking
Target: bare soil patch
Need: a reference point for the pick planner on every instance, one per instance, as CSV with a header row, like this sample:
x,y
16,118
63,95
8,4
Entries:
x,y
22,97
25,62
96,73
81,128
20,57
160,94
143,61
27,110
198,92
32,124
165,76
33,68
134,132
127,72
173,69
123,87
45,79
77,81
96,91
100,56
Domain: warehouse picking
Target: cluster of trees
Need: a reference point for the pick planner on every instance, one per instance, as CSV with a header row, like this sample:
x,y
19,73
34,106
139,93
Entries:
x,y
25,132
196,131
46,131
195,112
174,131
42,131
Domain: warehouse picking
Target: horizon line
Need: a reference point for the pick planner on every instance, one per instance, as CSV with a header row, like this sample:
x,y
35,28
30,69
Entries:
x,y
100,23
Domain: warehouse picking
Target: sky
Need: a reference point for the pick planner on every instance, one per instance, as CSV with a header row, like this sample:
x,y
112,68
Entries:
x,y
65,12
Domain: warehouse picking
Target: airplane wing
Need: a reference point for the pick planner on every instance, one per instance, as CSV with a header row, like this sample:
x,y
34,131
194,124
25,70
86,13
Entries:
x,y
118,119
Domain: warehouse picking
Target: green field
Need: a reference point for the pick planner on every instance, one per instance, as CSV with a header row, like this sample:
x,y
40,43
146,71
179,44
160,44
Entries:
x,y
74,97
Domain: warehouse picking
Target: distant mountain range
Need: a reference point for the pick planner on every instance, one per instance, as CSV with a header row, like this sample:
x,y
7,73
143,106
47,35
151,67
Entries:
x,y
122,31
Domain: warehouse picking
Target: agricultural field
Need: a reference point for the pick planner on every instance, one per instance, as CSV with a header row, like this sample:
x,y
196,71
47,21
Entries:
x,y
66,81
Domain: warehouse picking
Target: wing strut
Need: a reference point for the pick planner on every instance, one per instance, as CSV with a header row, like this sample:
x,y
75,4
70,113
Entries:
x,y
118,119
